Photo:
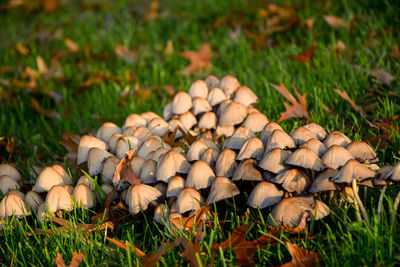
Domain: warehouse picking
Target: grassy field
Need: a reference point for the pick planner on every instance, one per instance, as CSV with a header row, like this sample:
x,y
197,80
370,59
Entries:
x,y
90,81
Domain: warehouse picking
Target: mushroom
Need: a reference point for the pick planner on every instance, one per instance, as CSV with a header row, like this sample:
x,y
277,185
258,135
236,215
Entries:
x,y
208,121
109,169
7,183
167,112
252,148
159,126
84,196
141,132
188,120
198,89
200,176
10,171
239,137
222,188
96,158
128,131
86,143
336,138
336,156
362,152
315,145
301,135
181,103
50,177
268,130
293,180
273,161
233,114
33,200
323,181
353,170
87,181
226,131
247,171
244,95
148,172
161,213
158,154
211,81
279,139
225,164
200,105
149,115
188,199
106,130
255,121
305,158
58,198
175,185
139,196
171,163
317,129
134,120
210,157
174,123
216,96
196,150
125,144
13,204
229,84
151,144
264,194
112,143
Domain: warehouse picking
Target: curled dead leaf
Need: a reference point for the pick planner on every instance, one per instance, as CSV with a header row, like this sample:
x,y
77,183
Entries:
x,y
302,257
199,60
77,258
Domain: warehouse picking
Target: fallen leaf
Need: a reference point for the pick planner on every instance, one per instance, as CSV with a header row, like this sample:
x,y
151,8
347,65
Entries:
x,y
298,109
192,250
22,49
152,12
126,245
152,259
382,75
188,223
129,56
199,60
75,262
71,142
85,227
72,46
396,52
41,65
49,5
8,143
336,22
123,169
169,137
302,257
305,56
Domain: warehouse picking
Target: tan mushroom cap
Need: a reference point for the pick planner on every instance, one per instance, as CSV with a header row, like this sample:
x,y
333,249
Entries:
x,y
255,121
139,197
84,196
33,200
239,137
208,121
211,81
181,103
274,160
174,123
222,106
336,138
198,89
295,181
315,145
106,130
200,105
233,114
50,177
158,126
175,185
109,169
58,198
188,199
317,129
216,96
353,170
226,131
13,204
149,115
222,188
264,194
362,152
142,132
323,181
171,163
301,135
247,171
245,96
200,176
134,120
305,158
9,170
394,174
7,184
128,131
136,165
158,154
96,158
279,139
188,120
252,148
112,143
229,84
125,144
87,181
86,143
148,172
151,144
225,164
268,130
196,150
210,157
336,156
167,112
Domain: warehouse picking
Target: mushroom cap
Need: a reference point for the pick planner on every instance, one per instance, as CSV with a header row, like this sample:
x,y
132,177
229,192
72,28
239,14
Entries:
x,y
336,138
226,131
61,171
158,154
96,158
279,139
48,178
244,95
273,161
112,143
174,123
301,135
151,144
216,96
13,204
148,172
188,120
305,158
336,156
84,196
239,137
33,200
7,183
317,129
167,111
87,181
394,174
159,126
136,165
255,121
252,148
196,150
362,152
200,105
323,181
161,213
233,114
106,130
200,176
353,170
198,89
225,164
134,120
69,188
85,144
188,199
210,157
58,198
141,132
222,188
109,169
9,170
296,181
211,81
171,163
208,121
181,103
291,174
139,196
267,131
175,185
149,115
315,145
222,106
264,194
229,84
125,144
128,131
247,171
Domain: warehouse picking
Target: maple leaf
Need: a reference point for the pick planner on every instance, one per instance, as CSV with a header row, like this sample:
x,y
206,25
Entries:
x,y
187,137
336,22
199,60
298,109
305,56
75,262
382,75
302,257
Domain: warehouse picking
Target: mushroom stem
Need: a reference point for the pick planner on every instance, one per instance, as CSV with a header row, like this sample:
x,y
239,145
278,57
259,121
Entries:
x,y
395,207
360,204
365,194
379,211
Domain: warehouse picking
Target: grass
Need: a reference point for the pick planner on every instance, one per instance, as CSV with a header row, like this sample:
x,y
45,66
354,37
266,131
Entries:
x,y
188,24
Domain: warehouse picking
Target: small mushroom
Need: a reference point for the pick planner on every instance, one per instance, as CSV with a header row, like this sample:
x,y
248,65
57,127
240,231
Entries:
x,y
274,160
151,144
336,138
229,84
84,196
129,131
222,188
181,103
188,199
362,152
305,158
200,176
268,130
226,131
323,181
188,120
149,115
7,184
264,195
87,181
167,112
175,185
225,164
210,157
301,135
293,180
86,143
33,200
13,204
239,137
171,163
216,96
196,150
106,130
141,133
336,156
245,96
211,81
200,105
159,153
48,178
208,121
125,144
139,197
198,89
252,148
148,172
255,121
317,129
161,213
134,120
233,114
247,171
279,139
159,126
315,145
174,123
109,169
353,170
10,171
96,158
112,143
58,198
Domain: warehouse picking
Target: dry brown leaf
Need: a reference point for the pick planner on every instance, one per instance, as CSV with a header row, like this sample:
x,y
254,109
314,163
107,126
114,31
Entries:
x,y
302,257
75,262
72,46
152,13
87,228
192,249
305,56
199,60
298,109
310,23
126,245
22,49
49,5
123,52
188,223
396,52
336,22
382,75
169,137
152,259
8,143
71,142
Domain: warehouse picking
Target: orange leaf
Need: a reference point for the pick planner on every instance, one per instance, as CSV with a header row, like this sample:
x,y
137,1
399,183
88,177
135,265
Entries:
x,y
343,94
49,5
125,245
310,23
152,13
152,259
305,56
72,46
75,262
298,109
41,65
396,52
188,223
336,22
199,60
22,49
192,249
302,257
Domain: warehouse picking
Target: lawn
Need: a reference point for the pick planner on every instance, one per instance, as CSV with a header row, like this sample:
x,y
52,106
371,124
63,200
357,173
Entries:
x,y
77,65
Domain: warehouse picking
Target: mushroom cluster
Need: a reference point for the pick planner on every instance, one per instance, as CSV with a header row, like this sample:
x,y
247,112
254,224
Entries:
x,y
278,171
